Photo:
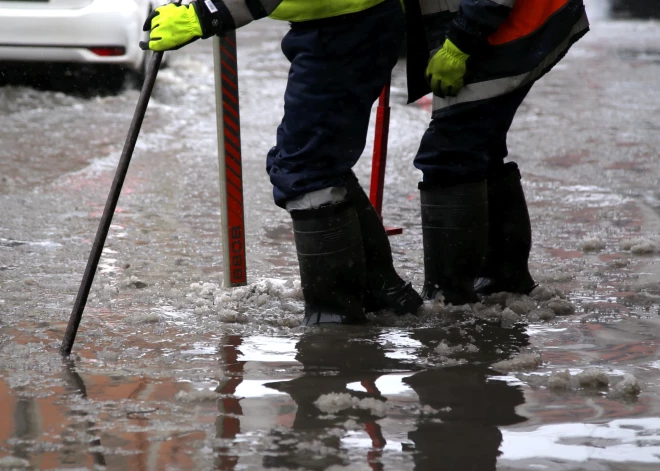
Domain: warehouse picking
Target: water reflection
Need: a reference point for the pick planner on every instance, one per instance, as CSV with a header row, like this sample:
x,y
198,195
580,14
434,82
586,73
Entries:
x,y
465,433
75,386
619,441
34,419
332,360
309,401
26,426
388,408
228,423
90,421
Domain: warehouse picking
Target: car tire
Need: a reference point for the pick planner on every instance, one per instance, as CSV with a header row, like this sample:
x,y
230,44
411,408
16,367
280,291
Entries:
x,y
110,79
135,77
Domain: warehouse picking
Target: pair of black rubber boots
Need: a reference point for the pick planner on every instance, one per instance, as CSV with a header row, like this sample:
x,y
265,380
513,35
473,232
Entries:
x,y
346,265
477,238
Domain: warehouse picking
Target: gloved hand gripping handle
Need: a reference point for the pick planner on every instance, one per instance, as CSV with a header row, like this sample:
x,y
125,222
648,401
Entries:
x,y
174,25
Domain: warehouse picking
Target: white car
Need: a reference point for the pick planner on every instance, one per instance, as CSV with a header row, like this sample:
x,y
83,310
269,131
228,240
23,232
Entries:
x,y
101,33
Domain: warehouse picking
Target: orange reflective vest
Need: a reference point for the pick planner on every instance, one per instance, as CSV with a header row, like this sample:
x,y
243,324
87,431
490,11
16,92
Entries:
x,y
526,38
526,17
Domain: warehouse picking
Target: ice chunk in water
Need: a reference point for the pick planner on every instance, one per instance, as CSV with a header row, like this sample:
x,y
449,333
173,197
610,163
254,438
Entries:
x,y
334,402
525,361
628,387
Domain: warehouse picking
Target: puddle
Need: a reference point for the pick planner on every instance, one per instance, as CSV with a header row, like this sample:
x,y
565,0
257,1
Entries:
x,y
93,421
618,441
268,350
252,401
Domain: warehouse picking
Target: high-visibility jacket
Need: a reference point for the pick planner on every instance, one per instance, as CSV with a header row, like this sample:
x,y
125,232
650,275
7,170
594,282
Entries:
x,y
237,13
305,10
526,39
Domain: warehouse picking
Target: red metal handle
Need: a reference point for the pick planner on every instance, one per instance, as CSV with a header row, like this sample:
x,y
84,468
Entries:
x,y
233,161
379,160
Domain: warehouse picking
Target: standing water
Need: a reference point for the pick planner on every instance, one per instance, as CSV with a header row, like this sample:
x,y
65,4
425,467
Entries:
x,y
172,371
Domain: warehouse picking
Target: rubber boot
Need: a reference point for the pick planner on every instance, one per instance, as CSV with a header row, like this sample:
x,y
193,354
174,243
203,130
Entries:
x,y
455,233
385,288
332,265
509,237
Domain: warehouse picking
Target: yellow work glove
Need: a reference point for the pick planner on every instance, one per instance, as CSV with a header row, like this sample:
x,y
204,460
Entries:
x,y
172,26
446,70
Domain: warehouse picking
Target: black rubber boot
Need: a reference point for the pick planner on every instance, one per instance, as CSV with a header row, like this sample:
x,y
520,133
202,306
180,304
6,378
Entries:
x,y
385,288
332,264
455,232
509,237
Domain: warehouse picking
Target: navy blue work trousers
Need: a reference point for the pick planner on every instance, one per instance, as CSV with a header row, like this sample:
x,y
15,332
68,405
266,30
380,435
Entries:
x,y
467,143
338,68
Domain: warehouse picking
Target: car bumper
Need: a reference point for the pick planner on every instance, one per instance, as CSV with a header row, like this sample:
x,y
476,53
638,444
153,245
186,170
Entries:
x,y
67,35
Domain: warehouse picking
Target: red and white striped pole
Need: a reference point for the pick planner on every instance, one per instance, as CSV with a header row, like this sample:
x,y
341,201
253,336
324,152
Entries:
x,y
230,160
379,159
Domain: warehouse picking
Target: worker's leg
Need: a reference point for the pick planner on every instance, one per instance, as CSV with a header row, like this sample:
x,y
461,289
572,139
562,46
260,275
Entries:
x,y
509,235
464,146
338,68
385,288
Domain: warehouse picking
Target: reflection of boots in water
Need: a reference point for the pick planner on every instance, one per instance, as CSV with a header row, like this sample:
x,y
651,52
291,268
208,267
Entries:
x,y
385,288
455,233
346,352
493,343
332,264
470,409
509,236
310,427
331,359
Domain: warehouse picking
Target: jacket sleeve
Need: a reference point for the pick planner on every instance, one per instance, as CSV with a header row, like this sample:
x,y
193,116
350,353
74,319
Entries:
x,y
228,15
476,20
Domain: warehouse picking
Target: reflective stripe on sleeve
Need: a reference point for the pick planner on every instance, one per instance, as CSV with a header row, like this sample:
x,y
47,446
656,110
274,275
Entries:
x,y
492,88
239,11
246,11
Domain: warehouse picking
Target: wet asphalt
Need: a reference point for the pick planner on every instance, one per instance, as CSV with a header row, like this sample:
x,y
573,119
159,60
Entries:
x,y
172,371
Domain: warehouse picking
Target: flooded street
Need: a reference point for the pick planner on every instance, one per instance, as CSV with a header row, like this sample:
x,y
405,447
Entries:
x,y
172,371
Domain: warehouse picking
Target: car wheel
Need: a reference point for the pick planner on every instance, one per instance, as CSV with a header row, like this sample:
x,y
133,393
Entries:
x,y
110,79
135,77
